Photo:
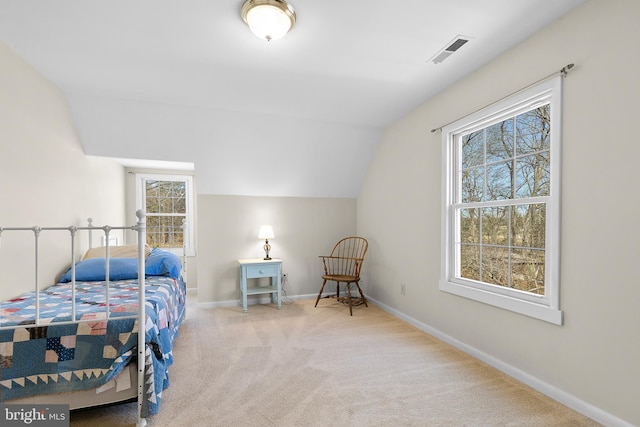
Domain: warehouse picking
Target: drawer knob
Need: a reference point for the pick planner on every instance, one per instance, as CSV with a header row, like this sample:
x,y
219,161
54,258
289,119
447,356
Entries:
x,y
261,272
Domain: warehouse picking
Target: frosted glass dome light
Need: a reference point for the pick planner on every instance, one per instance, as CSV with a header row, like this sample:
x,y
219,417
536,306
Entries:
x,y
268,19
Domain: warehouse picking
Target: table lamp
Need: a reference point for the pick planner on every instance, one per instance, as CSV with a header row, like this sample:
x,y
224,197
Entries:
x,y
266,233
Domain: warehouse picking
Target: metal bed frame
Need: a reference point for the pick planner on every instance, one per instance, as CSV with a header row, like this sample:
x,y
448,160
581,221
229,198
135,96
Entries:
x,y
140,228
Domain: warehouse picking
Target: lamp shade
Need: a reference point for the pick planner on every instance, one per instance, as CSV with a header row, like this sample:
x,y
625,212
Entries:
x,y
268,19
266,232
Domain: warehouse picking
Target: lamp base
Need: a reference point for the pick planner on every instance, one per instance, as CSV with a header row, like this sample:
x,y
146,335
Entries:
x,y
267,248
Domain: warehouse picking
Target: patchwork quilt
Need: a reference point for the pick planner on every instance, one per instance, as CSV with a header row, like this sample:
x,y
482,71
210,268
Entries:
x,y
56,357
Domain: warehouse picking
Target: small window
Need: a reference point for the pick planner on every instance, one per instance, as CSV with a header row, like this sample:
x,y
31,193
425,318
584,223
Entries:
x,y
168,203
501,204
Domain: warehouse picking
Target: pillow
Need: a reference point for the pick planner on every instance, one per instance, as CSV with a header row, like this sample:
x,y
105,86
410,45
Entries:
x,y
93,269
163,263
127,251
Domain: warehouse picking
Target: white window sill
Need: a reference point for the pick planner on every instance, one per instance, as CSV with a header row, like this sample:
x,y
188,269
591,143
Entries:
x,y
527,308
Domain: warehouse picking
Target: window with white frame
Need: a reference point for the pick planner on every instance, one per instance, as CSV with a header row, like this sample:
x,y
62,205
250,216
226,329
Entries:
x,y
501,203
168,203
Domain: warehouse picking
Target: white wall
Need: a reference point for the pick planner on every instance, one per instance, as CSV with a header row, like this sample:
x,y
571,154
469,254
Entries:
x,y
592,360
304,228
45,178
235,153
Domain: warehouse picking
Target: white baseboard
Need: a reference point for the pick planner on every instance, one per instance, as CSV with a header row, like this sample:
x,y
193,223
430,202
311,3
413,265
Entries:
x,y
301,297
251,301
543,387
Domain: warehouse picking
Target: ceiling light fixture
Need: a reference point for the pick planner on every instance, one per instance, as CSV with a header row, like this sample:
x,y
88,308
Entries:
x,y
268,19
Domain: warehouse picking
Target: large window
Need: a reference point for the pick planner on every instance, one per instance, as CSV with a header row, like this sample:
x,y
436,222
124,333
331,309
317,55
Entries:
x,y
168,203
501,204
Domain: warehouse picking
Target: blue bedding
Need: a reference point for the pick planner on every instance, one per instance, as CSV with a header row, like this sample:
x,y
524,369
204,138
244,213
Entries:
x,y
55,357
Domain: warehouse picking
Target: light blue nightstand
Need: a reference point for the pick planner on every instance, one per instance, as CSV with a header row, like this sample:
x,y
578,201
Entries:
x,y
256,269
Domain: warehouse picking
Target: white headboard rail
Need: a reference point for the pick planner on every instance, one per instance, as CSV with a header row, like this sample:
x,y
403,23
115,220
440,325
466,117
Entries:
x,y
140,228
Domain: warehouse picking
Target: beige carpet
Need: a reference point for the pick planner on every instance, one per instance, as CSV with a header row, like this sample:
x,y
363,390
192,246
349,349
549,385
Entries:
x,y
306,366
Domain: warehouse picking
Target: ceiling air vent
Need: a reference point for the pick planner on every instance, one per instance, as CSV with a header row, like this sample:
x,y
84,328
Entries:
x,y
453,46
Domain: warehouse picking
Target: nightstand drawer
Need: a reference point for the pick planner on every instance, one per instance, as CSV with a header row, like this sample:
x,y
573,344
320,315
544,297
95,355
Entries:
x,y
255,271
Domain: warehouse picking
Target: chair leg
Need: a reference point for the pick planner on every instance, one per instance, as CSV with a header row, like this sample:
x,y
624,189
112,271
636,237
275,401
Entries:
x,y
349,298
364,300
320,293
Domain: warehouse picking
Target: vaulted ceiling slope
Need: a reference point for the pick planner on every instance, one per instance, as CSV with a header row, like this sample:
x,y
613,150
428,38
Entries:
x,y
358,64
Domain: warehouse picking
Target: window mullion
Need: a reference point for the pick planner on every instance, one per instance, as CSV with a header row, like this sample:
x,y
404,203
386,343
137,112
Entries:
x,y
176,190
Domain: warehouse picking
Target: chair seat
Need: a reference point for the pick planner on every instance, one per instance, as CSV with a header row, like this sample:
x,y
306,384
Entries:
x,y
341,278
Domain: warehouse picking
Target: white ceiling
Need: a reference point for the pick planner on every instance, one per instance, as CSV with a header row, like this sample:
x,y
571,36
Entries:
x,y
362,63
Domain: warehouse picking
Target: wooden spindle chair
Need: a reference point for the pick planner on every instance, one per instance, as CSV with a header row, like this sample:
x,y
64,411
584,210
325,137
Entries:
x,y
343,266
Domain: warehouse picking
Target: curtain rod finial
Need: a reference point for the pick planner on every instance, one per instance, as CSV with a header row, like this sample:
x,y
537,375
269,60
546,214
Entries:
x,y
566,69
